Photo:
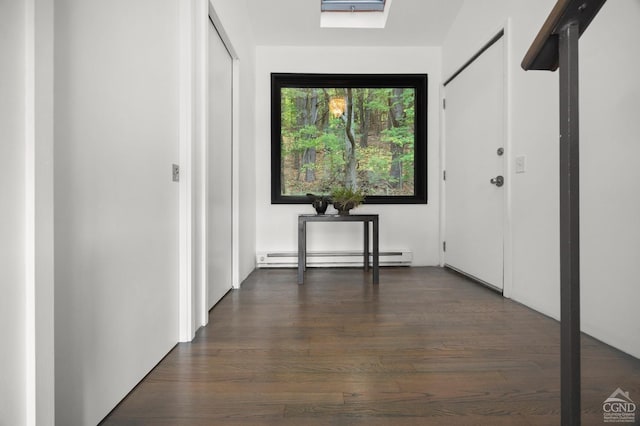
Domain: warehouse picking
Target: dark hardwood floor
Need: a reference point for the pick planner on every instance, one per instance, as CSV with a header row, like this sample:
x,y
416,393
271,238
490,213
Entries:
x,y
425,347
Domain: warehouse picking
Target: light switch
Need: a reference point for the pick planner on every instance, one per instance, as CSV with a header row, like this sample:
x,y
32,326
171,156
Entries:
x,y
521,164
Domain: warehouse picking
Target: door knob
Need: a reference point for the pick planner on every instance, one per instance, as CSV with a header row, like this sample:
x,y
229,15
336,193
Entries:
x,y
497,181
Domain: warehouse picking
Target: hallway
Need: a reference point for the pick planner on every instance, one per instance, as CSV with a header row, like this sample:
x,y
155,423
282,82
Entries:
x,y
425,347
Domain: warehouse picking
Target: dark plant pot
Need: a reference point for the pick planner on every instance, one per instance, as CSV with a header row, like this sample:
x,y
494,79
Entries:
x,y
320,204
343,209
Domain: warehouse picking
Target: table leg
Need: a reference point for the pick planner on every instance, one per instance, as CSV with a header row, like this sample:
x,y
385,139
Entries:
x,y
366,246
301,249
376,253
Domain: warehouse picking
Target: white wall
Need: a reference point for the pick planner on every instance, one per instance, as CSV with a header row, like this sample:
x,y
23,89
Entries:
x,y
609,132
116,208
610,201
12,219
412,226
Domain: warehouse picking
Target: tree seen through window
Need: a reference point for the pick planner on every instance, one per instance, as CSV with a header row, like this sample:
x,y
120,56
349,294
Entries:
x,y
367,138
355,137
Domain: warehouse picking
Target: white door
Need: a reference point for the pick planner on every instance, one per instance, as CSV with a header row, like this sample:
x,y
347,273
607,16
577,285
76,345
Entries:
x,y
219,165
474,209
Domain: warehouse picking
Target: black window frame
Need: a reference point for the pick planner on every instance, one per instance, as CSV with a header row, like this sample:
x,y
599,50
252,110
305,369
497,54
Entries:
x,y
418,82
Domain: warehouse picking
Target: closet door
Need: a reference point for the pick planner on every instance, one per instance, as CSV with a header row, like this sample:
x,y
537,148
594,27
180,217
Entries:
x,y
219,170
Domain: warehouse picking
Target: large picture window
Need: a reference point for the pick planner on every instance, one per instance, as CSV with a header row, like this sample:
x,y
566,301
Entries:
x,y
366,132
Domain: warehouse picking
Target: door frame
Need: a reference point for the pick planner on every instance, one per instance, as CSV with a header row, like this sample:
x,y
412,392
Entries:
x,y
508,159
194,16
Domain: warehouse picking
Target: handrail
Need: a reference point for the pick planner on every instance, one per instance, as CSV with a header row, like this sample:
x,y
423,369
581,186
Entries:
x,y
543,53
556,46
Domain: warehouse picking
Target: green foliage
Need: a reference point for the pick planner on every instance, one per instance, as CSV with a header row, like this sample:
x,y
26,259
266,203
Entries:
x,y
379,100
327,136
344,195
376,162
400,136
308,166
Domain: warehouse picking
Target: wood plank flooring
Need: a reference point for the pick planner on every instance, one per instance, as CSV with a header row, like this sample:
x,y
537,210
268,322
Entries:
x,y
425,347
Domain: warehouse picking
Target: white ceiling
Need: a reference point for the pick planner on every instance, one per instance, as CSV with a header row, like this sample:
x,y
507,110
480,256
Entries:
x,y
297,23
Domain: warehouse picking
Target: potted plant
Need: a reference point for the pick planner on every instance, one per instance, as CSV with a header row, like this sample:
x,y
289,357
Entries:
x,y
345,199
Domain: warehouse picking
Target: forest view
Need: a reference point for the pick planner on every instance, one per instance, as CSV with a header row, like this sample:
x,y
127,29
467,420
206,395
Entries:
x,y
360,138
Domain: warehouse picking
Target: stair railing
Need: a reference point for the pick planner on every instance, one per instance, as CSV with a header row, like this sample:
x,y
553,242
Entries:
x,y
556,46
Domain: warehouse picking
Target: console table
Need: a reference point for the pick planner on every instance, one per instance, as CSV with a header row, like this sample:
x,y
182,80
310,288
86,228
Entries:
x,y
365,218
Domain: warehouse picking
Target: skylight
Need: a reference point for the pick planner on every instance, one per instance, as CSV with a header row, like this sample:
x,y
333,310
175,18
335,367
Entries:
x,y
352,5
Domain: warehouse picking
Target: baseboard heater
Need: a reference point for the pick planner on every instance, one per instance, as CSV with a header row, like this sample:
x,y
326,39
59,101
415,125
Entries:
x,y
322,259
